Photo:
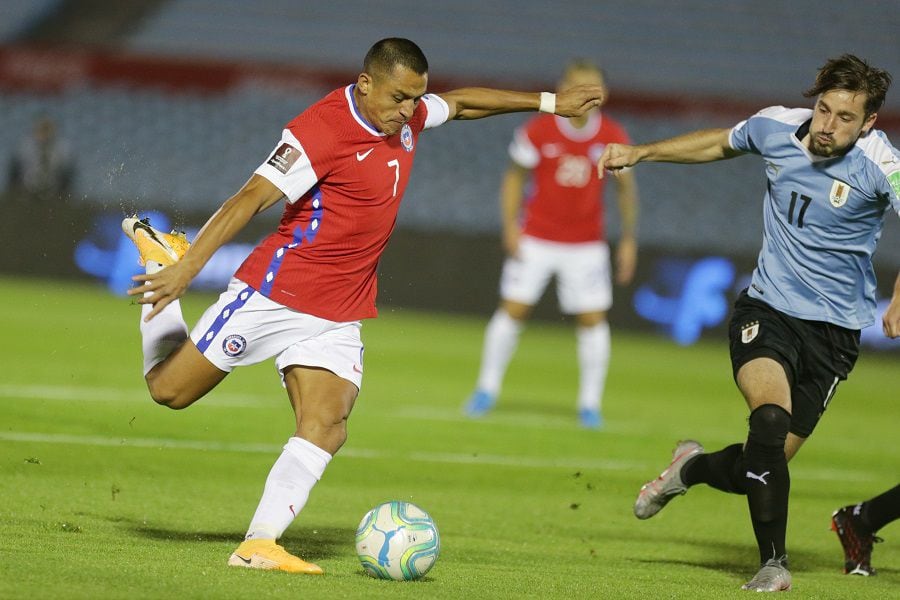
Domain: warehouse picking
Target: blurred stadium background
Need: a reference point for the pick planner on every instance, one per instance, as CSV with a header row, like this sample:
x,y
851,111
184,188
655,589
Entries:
x,y
168,105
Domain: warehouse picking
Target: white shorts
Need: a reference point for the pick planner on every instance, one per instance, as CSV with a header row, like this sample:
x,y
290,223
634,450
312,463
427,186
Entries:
x,y
582,273
244,327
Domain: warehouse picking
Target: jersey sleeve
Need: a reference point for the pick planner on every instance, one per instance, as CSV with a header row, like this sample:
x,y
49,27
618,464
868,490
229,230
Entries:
x,y
289,168
882,164
750,134
438,111
522,150
742,135
889,165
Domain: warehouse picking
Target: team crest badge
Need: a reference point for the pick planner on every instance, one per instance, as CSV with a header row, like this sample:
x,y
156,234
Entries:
x,y
749,332
234,345
840,191
406,138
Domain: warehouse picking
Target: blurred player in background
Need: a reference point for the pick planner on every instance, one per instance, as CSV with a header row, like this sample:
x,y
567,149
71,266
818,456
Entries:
x,y
42,168
560,232
795,331
857,524
341,167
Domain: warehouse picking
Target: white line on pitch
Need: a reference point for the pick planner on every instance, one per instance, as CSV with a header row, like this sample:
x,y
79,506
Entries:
x,y
475,459
119,395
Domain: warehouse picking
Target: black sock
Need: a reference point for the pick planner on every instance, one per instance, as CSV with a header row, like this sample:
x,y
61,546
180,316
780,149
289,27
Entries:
x,y
881,510
721,470
766,478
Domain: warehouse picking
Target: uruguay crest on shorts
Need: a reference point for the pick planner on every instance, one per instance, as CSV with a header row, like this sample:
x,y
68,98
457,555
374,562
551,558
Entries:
x,y
749,332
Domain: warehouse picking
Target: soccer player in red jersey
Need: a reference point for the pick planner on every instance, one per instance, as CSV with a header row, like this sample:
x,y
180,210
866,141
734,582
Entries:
x,y
559,232
341,168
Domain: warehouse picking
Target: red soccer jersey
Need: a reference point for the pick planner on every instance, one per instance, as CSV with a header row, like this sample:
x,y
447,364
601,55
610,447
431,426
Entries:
x,y
343,180
565,200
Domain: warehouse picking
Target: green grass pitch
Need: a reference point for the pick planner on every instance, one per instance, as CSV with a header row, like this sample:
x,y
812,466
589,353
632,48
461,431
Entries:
x,y
103,494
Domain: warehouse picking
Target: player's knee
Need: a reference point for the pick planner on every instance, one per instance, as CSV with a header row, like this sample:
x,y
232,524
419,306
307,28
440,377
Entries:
x,y
328,433
769,425
167,395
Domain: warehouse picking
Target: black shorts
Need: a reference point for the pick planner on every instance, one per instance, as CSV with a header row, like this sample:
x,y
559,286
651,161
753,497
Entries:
x,y
815,355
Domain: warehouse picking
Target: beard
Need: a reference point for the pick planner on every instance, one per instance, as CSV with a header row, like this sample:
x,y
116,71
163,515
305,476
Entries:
x,y
825,145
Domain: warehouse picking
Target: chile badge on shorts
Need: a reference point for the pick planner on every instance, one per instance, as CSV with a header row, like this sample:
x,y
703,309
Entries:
x,y
233,345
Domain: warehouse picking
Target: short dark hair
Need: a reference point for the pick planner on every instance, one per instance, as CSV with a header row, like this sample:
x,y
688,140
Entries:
x,y
386,54
848,72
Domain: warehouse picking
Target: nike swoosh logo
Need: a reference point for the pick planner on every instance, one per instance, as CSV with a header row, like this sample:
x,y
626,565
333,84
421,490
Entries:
x,y
361,156
357,369
246,560
148,230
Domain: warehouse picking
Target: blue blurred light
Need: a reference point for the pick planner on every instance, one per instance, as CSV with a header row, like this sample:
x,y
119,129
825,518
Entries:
x,y
691,296
106,253
873,335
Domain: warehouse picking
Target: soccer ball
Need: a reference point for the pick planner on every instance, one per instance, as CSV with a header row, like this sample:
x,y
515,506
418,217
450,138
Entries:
x,y
397,540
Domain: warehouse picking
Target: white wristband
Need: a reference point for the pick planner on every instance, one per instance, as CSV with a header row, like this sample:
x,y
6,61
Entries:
x,y
548,103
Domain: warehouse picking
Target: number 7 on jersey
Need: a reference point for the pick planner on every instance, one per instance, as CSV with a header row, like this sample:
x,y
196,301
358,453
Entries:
x,y
396,164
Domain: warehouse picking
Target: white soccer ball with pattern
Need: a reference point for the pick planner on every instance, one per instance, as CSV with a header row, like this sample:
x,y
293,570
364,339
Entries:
x,y
397,540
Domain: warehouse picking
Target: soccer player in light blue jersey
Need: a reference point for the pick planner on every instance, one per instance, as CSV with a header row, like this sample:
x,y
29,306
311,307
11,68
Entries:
x,y
794,333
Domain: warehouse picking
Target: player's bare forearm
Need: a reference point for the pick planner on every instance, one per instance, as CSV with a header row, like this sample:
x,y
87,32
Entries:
x,y
477,103
511,191
628,203
626,249
702,146
891,320
234,214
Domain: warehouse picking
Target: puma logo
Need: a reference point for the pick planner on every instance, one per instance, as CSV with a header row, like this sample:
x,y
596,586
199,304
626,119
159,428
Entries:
x,y
751,475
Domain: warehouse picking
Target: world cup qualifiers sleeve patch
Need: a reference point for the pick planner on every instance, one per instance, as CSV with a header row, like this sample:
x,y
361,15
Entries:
x,y
285,157
894,178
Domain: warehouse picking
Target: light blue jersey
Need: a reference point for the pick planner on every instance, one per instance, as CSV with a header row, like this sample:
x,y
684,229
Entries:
x,y
822,218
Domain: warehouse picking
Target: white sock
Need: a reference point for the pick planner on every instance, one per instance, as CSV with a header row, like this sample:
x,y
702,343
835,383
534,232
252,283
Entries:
x,y
500,341
593,362
165,332
293,475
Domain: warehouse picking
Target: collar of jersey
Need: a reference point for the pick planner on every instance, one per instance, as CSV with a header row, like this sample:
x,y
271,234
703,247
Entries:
x,y
354,110
579,134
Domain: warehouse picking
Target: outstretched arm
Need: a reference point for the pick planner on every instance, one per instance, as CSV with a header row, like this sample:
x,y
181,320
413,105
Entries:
x,y
477,103
170,283
702,146
626,249
891,320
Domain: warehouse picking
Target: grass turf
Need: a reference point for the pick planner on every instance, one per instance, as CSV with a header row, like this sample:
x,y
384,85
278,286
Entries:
x,y
105,494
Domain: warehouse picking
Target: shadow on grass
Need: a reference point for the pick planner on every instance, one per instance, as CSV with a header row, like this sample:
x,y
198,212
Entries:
x,y
312,543
735,558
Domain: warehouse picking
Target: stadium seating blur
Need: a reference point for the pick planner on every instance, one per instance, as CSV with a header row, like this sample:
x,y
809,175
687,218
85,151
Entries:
x,y
164,148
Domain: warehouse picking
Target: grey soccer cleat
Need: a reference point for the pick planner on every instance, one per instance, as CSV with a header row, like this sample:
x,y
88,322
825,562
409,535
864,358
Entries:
x,y
771,577
655,494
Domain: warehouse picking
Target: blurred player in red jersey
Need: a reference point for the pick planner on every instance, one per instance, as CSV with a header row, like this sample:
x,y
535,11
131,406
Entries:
x,y
560,232
341,168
